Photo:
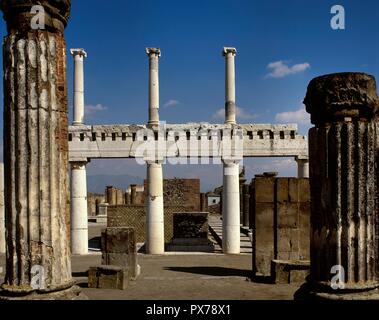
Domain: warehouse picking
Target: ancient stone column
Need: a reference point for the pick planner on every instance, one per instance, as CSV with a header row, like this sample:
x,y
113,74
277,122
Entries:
x,y
302,167
154,55
2,213
344,154
79,205
155,211
155,207
38,263
79,55
111,195
230,87
231,186
231,208
79,209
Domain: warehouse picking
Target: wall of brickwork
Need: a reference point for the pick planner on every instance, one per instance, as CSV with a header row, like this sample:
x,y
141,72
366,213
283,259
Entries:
x,y
280,212
135,216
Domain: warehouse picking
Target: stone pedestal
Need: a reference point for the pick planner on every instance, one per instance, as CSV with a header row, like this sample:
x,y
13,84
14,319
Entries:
x,y
344,151
38,264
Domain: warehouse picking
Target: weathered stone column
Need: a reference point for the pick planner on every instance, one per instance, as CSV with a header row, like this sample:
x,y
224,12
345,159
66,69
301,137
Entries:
x,y
231,208
344,154
302,167
79,205
246,205
155,206
231,185
38,262
154,55
155,209
79,55
133,193
2,213
230,86
79,209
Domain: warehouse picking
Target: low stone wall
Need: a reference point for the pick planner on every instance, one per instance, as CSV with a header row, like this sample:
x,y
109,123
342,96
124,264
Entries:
x,y
135,216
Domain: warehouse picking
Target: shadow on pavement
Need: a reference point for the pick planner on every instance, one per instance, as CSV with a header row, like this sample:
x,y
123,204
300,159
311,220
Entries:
x,y
212,271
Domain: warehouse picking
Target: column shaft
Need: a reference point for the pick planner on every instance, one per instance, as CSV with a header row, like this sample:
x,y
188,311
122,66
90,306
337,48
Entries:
x,y
231,209
79,210
154,55
230,85
155,210
302,168
79,55
2,213
36,160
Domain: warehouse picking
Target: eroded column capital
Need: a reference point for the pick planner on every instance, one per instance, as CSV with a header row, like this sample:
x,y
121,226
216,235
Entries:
x,y
18,14
342,97
153,52
79,52
229,50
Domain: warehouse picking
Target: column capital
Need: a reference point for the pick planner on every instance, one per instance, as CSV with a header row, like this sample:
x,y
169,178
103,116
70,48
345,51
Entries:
x,y
302,158
18,14
153,52
78,52
229,50
342,97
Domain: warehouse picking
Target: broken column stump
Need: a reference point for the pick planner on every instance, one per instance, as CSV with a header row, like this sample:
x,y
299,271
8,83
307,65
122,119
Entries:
x,y
119,260
344,151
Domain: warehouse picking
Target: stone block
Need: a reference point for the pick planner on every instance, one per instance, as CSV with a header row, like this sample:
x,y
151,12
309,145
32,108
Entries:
x,y
264,215
287,215
190,225
282,190
288,272
288,240
264,190
118,240
108,277
304,190
123,260
293,190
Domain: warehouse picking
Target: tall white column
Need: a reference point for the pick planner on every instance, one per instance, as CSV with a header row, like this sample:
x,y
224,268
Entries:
x,y
231,193
79,213
302,167
230,85
154,55
231,208
79,55
2,213
155,211
155,207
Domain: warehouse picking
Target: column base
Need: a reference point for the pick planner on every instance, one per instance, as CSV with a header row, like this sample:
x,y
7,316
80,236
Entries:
x,y
71,293
309,292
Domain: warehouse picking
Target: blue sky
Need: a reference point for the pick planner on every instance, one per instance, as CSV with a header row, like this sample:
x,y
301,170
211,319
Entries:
x,y
293,37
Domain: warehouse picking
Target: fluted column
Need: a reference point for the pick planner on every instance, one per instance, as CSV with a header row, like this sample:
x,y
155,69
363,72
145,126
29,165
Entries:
x,y
344,151
2,213
155,206
36,153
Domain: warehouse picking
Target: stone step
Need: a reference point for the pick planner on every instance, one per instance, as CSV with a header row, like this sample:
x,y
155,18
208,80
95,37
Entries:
x,y
215,228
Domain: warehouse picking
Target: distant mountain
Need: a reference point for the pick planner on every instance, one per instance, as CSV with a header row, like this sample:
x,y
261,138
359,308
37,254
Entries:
x,y
98,183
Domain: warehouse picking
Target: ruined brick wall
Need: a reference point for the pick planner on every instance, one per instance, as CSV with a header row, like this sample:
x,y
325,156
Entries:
x,y
181,192
92,199
281,221
135,216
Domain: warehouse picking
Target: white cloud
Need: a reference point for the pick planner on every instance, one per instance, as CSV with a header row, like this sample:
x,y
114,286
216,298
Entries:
x,y
280,69
92,109
299,116
241,113
171,103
